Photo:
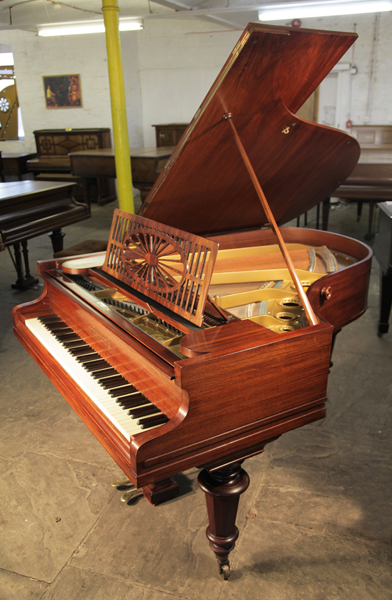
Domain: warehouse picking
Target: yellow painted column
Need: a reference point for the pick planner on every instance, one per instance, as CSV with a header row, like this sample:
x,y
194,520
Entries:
x,y
117,99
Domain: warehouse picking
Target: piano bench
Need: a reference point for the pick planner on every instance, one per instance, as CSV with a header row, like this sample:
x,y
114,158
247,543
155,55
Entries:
x,y
85,247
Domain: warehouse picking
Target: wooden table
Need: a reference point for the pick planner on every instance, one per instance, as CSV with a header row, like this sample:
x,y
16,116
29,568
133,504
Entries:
x,y
146,164
31,208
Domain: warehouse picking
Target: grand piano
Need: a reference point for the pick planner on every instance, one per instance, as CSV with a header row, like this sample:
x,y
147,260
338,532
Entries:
x,y
31,208
205,330
146,164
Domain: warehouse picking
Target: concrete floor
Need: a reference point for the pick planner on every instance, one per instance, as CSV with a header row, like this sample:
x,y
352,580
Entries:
x,y
314,524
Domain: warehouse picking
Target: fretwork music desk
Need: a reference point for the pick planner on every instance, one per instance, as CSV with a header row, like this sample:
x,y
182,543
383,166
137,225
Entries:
x,y
146,164
31,208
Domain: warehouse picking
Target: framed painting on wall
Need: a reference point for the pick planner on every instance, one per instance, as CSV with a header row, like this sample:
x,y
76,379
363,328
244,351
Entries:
x,y
62,91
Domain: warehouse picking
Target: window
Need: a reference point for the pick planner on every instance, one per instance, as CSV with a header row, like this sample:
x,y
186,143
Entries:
x,y
10,119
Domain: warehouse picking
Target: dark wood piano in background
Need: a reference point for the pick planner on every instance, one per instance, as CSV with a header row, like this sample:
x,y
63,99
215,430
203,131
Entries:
x,y
371,180
146,164
31,208
383,254
204,340
15,164
169,134
53,162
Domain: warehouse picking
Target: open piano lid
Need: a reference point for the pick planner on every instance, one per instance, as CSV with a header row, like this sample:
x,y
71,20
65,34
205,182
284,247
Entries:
x,y
205,187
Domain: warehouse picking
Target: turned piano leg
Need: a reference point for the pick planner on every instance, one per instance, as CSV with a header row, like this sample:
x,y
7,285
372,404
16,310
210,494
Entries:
x,y
25,279
56,237
223,487
385,301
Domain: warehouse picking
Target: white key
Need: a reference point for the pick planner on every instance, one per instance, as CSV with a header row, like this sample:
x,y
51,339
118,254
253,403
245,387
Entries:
x,y
108,405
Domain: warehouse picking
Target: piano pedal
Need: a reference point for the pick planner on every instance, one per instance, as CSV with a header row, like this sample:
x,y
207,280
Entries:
x,y
155,493
121,483
132,493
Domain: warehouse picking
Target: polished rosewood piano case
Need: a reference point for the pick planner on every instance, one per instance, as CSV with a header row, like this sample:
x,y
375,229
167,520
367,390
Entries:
x,y
221,386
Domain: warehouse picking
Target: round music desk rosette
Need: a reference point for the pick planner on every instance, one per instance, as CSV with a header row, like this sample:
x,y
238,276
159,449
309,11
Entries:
x,y
155,259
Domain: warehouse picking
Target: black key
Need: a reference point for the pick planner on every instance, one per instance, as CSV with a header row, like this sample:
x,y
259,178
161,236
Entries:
x,y
122,391
59,327
103,373
80,350
50,319
77,345
148,422
134,403
68,337
111,383
74,343
131,396
95,365
85,358
136,413
65,335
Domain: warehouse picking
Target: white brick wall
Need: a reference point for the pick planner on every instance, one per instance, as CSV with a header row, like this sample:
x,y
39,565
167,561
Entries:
x,y
168,69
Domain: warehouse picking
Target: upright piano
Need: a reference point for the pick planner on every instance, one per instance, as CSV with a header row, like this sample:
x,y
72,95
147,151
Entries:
x,y
53,162
192,342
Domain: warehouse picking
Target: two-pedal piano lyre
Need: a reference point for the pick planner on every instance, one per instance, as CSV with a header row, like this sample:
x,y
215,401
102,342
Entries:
x,y
187,344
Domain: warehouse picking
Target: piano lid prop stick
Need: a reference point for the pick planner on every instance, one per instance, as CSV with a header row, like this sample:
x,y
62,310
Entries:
x,y
271,219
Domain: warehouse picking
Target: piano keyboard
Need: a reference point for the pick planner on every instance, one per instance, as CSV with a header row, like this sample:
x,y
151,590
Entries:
x,y
117,398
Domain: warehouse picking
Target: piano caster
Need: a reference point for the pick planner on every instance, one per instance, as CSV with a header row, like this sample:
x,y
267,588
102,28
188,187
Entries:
x,y
224,570
223,488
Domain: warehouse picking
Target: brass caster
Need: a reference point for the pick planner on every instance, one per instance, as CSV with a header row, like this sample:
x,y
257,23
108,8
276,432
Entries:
x,y
224,571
